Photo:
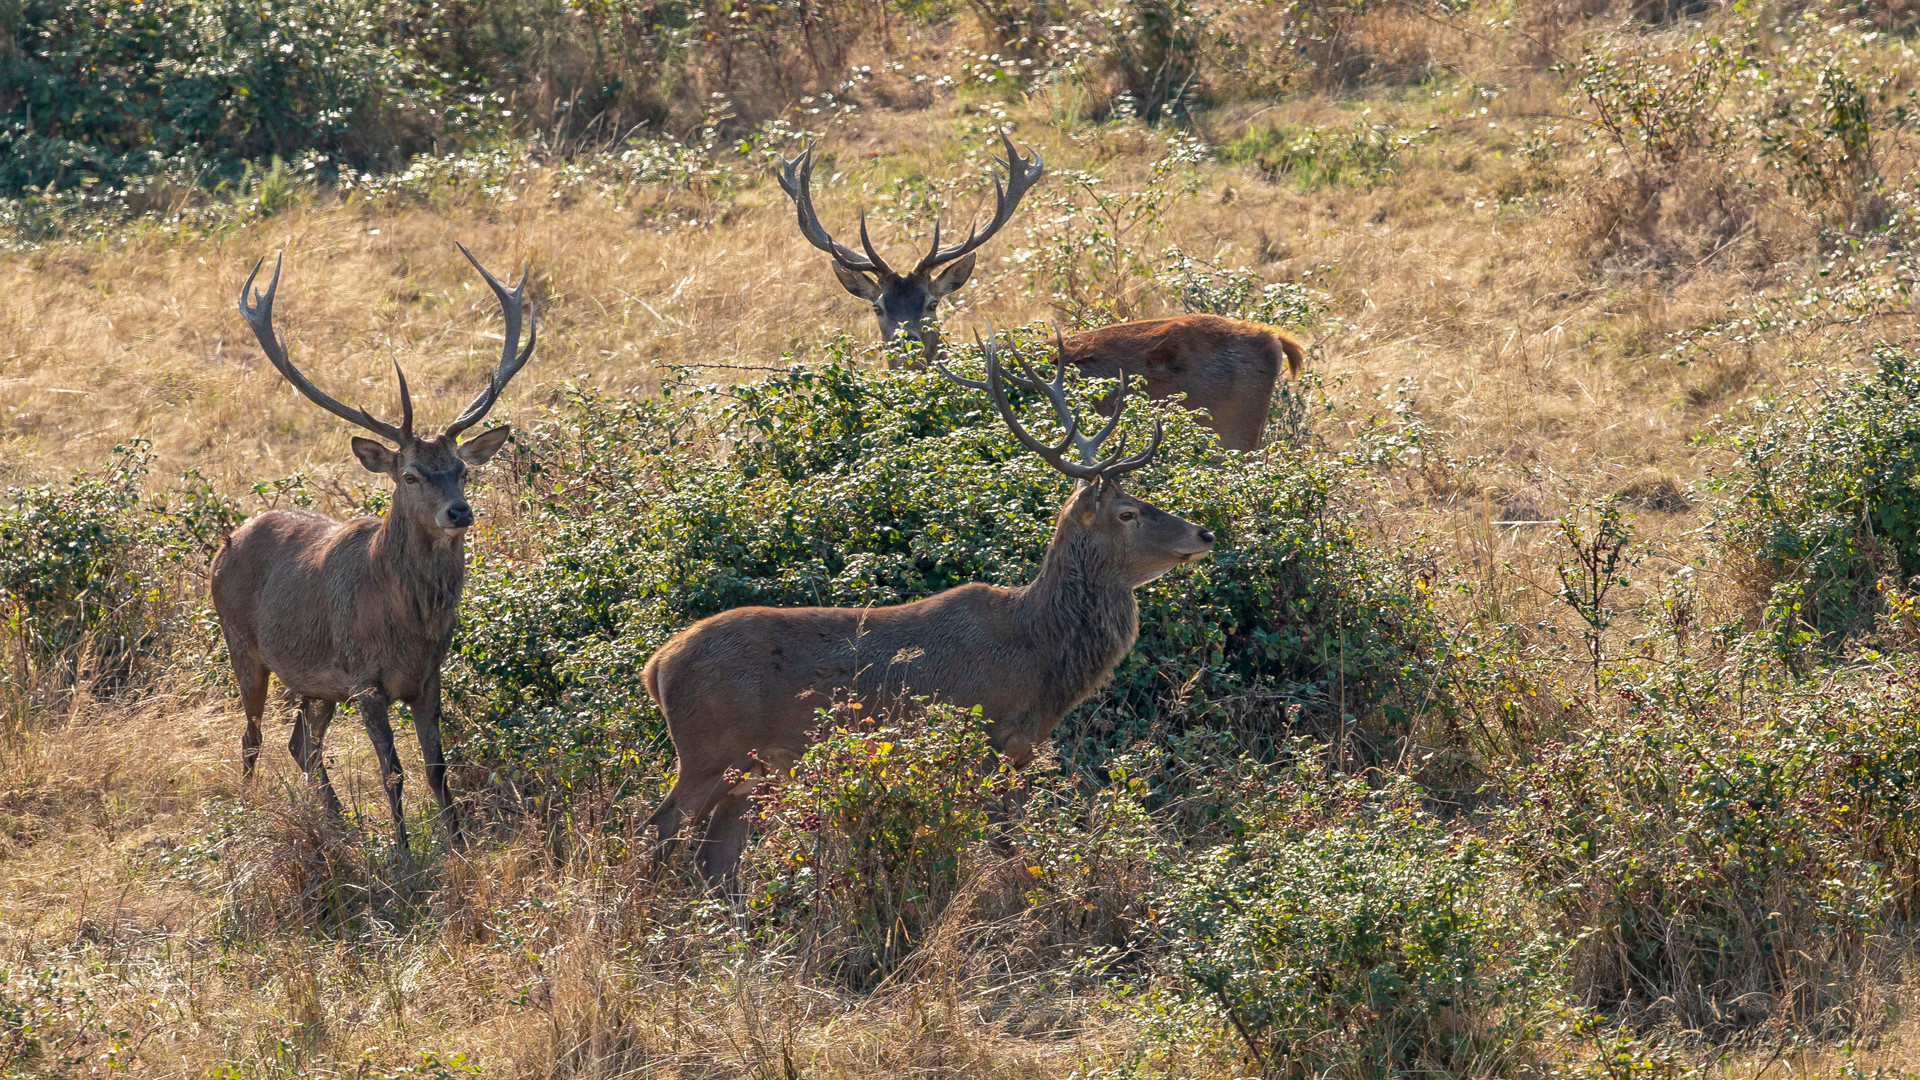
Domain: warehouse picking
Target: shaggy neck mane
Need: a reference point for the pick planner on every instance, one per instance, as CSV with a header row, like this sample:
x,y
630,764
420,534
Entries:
x,y
1081,614
429,570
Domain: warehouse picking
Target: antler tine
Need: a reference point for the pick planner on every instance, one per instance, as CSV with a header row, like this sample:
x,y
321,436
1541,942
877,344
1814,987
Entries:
x,y
1127,465
996,387
259,316
512,358
875,262
1022,174
971,384
406,404
796,179
935,246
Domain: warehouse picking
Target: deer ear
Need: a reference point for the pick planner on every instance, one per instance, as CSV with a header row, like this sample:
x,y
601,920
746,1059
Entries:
x,y
480,449
373,456
1086,504
857,283
946,281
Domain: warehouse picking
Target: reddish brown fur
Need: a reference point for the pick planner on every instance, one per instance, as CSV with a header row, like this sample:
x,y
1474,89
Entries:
x,y
360,610
1225,366
741,690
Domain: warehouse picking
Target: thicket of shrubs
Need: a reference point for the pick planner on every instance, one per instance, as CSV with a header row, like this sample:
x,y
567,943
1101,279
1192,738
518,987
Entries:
x,y
1829,500
1714,843
845,487
1723,846
100,580
140,104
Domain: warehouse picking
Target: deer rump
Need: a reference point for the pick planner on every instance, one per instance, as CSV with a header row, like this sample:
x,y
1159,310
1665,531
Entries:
x,y
1226,367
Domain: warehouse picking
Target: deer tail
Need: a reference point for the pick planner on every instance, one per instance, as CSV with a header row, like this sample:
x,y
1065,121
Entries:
x,y
1296,356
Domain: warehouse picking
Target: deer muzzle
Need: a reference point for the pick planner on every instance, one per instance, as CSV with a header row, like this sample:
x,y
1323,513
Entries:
x,y
456,516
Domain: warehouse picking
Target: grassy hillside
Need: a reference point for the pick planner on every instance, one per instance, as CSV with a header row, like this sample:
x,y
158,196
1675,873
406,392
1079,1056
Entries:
x,y
1548,709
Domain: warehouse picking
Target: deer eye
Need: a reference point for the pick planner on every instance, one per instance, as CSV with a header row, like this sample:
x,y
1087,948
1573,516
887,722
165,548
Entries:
x,y
1128,515
412,479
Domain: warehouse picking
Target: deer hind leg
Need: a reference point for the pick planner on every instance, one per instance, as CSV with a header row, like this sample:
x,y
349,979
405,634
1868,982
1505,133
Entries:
x,y
665,824
726,835
426,725
251,674
373,712
308,747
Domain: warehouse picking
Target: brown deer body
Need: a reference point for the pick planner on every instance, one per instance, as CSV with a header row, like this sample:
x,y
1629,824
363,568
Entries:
x,y
360,610
740,689
1226,367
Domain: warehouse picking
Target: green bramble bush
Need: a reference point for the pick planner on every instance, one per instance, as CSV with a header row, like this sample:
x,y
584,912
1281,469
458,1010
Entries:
x,y
1829,499
103,93
1722,846
827,485
862,847
99,582
1331,926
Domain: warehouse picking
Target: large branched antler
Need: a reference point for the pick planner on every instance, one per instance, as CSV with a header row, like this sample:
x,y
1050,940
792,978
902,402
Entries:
x,y
512,357
513,305
1091,468
1022,174
796,179
259,315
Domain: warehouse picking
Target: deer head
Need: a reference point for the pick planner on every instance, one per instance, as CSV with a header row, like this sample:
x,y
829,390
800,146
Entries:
x,y
905,303
429,473
1111,531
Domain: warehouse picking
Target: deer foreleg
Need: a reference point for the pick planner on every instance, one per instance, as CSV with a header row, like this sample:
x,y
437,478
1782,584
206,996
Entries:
x,y
374,705
426,724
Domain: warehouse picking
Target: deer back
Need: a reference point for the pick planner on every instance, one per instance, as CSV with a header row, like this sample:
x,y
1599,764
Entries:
x,y
1225,366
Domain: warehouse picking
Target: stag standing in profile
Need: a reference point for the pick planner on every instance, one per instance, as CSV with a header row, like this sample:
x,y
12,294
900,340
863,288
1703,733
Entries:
x,y
740,689
362,610
1227,367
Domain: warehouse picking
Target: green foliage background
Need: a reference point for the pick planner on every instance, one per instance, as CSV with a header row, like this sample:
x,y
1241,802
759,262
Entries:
x,y
831,486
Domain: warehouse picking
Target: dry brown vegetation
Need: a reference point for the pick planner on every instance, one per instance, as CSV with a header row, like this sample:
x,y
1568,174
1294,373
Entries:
x,y
1509,280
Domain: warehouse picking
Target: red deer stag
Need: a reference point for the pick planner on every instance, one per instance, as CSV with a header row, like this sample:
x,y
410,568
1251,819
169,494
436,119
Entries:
x,y
1225,366
361,610
740,689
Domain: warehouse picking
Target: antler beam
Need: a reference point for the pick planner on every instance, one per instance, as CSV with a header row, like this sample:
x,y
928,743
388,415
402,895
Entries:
x,y
796,179
259,316
512,358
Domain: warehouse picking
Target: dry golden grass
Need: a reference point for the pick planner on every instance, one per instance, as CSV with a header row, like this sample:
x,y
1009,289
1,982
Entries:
x,y
1539,363
1530,356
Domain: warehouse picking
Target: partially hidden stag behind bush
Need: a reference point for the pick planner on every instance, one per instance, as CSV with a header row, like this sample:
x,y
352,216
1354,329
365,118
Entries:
x,y
362,610
740,690
1227,367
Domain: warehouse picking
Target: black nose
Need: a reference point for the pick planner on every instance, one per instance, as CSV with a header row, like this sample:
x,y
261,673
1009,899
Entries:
x,y
1206,536
459,515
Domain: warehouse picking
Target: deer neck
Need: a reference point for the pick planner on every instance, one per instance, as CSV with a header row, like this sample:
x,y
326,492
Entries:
x,y
427,568
1081,615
